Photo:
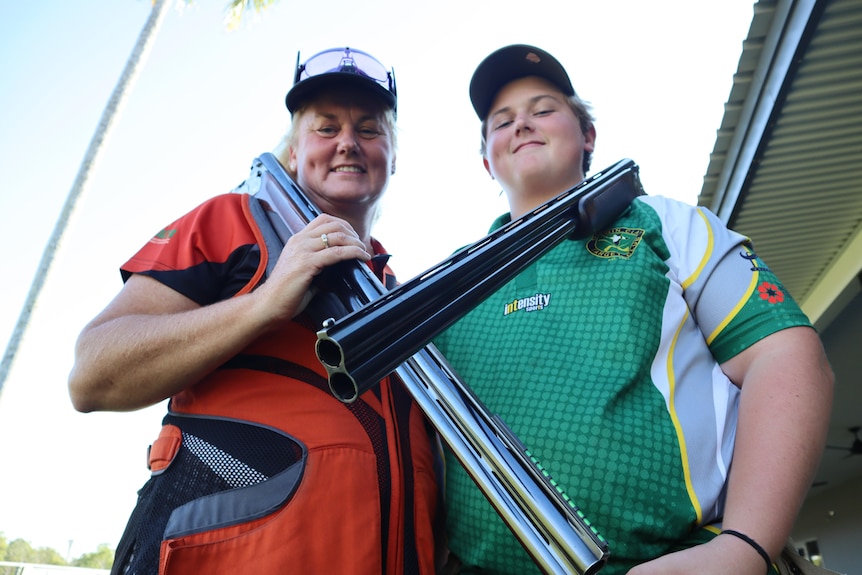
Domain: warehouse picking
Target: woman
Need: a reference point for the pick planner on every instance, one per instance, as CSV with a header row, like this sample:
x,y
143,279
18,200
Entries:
x,y
257,467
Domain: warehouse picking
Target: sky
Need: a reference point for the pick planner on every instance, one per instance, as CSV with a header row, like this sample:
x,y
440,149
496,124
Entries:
x,y
209,100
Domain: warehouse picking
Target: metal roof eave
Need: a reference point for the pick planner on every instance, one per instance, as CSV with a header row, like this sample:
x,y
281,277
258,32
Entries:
x,y
790,22
837,286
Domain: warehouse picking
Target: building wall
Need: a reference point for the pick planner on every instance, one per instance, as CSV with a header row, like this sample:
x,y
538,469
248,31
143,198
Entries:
x,y
834,519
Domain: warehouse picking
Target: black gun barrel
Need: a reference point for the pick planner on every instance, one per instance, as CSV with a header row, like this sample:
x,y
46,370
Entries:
x,y
368,343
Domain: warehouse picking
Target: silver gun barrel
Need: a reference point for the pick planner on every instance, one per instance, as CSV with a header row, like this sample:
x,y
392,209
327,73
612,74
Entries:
x,y
554,532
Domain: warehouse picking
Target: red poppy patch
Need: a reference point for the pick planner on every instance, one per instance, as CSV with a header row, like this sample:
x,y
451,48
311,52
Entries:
x,y
770,292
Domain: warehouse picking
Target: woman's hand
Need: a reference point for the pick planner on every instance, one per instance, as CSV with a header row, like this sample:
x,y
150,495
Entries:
x,y
288,289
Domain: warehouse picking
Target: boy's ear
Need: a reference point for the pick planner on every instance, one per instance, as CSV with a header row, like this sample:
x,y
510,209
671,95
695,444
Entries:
x,y
488,168
590,139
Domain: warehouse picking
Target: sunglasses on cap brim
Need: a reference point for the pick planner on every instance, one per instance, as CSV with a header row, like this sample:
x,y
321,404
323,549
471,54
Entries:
x,y
349,61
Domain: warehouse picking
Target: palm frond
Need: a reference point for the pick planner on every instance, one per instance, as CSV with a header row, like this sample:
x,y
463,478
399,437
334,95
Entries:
x,y
236,9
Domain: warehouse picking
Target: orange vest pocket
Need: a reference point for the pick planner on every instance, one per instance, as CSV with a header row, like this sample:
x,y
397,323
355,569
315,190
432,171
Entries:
x,y
323,528
163,450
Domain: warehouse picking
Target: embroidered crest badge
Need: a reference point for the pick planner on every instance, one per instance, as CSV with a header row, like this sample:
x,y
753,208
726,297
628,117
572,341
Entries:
x,y
615,242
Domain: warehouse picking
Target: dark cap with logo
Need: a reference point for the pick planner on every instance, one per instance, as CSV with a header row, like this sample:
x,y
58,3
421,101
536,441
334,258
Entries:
x,y
511,63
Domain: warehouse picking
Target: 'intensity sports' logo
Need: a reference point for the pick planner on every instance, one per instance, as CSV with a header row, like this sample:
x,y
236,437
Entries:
x,y
533,303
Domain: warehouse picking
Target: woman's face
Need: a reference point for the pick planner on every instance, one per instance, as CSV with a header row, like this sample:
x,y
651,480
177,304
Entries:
x,y
534,140
343,155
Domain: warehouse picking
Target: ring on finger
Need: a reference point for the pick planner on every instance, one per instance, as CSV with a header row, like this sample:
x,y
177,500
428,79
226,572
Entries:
x,y
325,240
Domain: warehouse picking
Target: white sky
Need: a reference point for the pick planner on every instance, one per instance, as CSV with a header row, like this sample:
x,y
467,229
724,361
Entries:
x,y
208,101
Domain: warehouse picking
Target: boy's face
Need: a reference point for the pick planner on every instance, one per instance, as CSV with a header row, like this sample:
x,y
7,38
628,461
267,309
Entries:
x,y
534,141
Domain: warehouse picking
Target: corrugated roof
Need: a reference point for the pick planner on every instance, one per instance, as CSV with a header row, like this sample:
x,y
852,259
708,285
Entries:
x,y
797,187
786,171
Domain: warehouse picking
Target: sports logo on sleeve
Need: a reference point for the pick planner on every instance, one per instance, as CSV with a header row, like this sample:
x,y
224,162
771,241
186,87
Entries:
x,y
163,236
615,242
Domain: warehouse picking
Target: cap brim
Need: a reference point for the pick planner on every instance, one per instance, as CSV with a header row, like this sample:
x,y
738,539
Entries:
x,y
511,63
338,81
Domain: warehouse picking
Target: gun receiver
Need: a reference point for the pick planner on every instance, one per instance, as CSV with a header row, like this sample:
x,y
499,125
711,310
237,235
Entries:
x,y
364,346
538,512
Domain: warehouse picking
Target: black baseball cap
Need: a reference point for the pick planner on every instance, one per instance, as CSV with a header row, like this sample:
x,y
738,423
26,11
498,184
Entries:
x,y
510,63
338,67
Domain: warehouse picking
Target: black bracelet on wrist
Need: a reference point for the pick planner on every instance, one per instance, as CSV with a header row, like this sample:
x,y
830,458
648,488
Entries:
x,y
754,544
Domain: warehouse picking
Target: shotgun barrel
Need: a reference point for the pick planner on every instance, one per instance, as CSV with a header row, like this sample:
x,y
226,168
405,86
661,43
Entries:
x,y
367,344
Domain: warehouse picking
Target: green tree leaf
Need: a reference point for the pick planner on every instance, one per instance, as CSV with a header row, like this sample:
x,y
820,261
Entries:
x,y
102,558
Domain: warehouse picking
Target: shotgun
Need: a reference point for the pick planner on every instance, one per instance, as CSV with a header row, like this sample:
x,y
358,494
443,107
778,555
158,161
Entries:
x,y
550,527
